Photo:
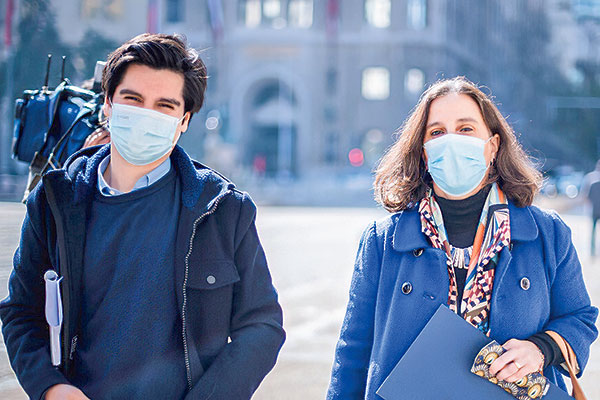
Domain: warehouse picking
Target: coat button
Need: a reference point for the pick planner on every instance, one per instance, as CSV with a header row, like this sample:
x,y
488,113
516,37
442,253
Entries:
x,y
406,287
211,279
525,284
417,252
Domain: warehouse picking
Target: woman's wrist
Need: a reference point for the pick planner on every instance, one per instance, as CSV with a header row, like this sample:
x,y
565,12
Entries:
x,y
548,347
541,365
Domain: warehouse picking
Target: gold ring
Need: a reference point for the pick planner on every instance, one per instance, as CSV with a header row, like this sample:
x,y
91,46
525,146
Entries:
x,y
517,364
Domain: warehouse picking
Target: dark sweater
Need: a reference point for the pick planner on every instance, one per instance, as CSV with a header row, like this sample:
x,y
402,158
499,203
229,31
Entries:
x,y
461,218
129,282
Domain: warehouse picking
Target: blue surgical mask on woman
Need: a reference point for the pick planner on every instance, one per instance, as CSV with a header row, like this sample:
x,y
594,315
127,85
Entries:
x,y
141,136
456,162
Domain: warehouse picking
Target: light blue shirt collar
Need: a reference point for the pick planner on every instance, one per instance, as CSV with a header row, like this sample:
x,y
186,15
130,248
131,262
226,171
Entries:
x,y
143,182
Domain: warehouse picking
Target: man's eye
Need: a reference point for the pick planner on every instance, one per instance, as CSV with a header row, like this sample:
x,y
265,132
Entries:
x,y
169,106
132,98
466,129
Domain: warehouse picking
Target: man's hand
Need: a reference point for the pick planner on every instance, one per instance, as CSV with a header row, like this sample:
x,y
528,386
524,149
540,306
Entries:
x,y
65,392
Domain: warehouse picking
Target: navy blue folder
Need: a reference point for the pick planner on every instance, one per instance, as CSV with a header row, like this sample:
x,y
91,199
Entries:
x,y
437,366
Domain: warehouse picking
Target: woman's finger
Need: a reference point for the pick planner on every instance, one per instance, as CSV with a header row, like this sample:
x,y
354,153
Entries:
x,y
520,374
509,369
102,134
510,344
501,362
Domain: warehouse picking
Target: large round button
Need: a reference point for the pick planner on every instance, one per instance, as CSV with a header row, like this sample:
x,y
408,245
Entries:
x,y
525,284
211,280
406,287
417,252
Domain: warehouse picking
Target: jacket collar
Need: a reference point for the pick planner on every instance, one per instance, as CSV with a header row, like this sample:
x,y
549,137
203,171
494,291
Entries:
x,y
201,186
408,236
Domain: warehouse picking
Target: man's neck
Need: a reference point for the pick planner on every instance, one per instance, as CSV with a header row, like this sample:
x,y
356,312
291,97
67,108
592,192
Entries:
x,y
122,175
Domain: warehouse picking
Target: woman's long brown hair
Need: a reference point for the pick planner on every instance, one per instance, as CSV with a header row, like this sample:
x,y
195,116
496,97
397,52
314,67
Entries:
x,y
402,179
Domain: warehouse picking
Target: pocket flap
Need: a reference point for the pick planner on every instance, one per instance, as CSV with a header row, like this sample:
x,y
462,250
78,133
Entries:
x,y
212,274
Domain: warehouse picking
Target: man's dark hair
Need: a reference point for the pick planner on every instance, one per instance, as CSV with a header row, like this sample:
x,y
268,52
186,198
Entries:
x,y
159,51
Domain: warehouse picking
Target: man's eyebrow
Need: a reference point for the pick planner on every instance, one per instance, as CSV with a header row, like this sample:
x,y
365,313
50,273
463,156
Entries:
x,y
466,119
129,91
170,100
162,99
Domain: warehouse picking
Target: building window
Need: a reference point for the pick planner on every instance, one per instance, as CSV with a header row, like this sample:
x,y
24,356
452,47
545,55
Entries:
x,y
417,14
375,83
300,13
273,14
250,13
414,81
378,13
271,8
276,14
110,9
174,11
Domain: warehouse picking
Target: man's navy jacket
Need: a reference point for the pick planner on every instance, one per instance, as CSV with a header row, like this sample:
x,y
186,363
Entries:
x,y
231,320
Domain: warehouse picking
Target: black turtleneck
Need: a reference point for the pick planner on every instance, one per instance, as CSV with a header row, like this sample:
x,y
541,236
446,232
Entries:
x,y
461,218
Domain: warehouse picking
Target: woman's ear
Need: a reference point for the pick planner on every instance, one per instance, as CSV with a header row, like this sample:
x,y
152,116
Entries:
x,y
495,142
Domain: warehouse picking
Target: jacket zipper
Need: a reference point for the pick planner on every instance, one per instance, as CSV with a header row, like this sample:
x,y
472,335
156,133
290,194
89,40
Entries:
x,y
67,348
185,279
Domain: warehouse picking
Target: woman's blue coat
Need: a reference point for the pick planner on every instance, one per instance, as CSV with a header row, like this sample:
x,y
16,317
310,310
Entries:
x,y
381,321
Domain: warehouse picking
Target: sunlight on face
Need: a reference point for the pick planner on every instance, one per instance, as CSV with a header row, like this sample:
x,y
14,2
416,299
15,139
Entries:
x,y
156,89
455,113
460,114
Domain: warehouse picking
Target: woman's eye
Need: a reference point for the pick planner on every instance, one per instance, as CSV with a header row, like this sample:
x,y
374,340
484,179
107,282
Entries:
x,y
436,132
466,129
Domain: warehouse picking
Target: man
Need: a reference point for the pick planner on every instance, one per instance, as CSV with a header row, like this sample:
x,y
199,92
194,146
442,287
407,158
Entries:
x,y
165,288
590,190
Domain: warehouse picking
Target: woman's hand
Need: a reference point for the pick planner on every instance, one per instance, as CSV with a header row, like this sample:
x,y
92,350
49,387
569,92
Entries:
x,y
521,357
99,136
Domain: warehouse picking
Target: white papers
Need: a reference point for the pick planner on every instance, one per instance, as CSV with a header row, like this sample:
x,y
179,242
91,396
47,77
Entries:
x,y
54,313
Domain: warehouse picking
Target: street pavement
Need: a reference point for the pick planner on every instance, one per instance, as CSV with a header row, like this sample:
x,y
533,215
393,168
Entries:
x,y
311,254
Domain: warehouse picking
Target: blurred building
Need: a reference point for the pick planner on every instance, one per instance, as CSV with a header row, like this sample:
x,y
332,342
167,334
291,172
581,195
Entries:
x,y
300,88
575,43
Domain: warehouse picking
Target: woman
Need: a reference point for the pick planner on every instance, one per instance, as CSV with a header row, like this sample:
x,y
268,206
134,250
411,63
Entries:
x,y
463,233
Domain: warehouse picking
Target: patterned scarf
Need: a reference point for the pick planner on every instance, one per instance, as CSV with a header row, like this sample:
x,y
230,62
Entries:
x,y
493,233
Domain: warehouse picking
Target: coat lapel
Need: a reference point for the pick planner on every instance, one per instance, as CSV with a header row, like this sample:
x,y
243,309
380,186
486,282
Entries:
x,y
523,228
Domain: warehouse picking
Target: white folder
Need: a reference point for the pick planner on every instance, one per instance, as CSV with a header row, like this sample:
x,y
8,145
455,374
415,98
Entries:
x,y
54,313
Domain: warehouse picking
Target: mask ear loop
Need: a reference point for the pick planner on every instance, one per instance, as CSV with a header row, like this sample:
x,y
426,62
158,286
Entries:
x,y
493,160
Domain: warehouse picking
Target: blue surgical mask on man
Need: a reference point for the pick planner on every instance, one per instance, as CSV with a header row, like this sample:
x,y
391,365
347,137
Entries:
x,y
456,163
141,136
